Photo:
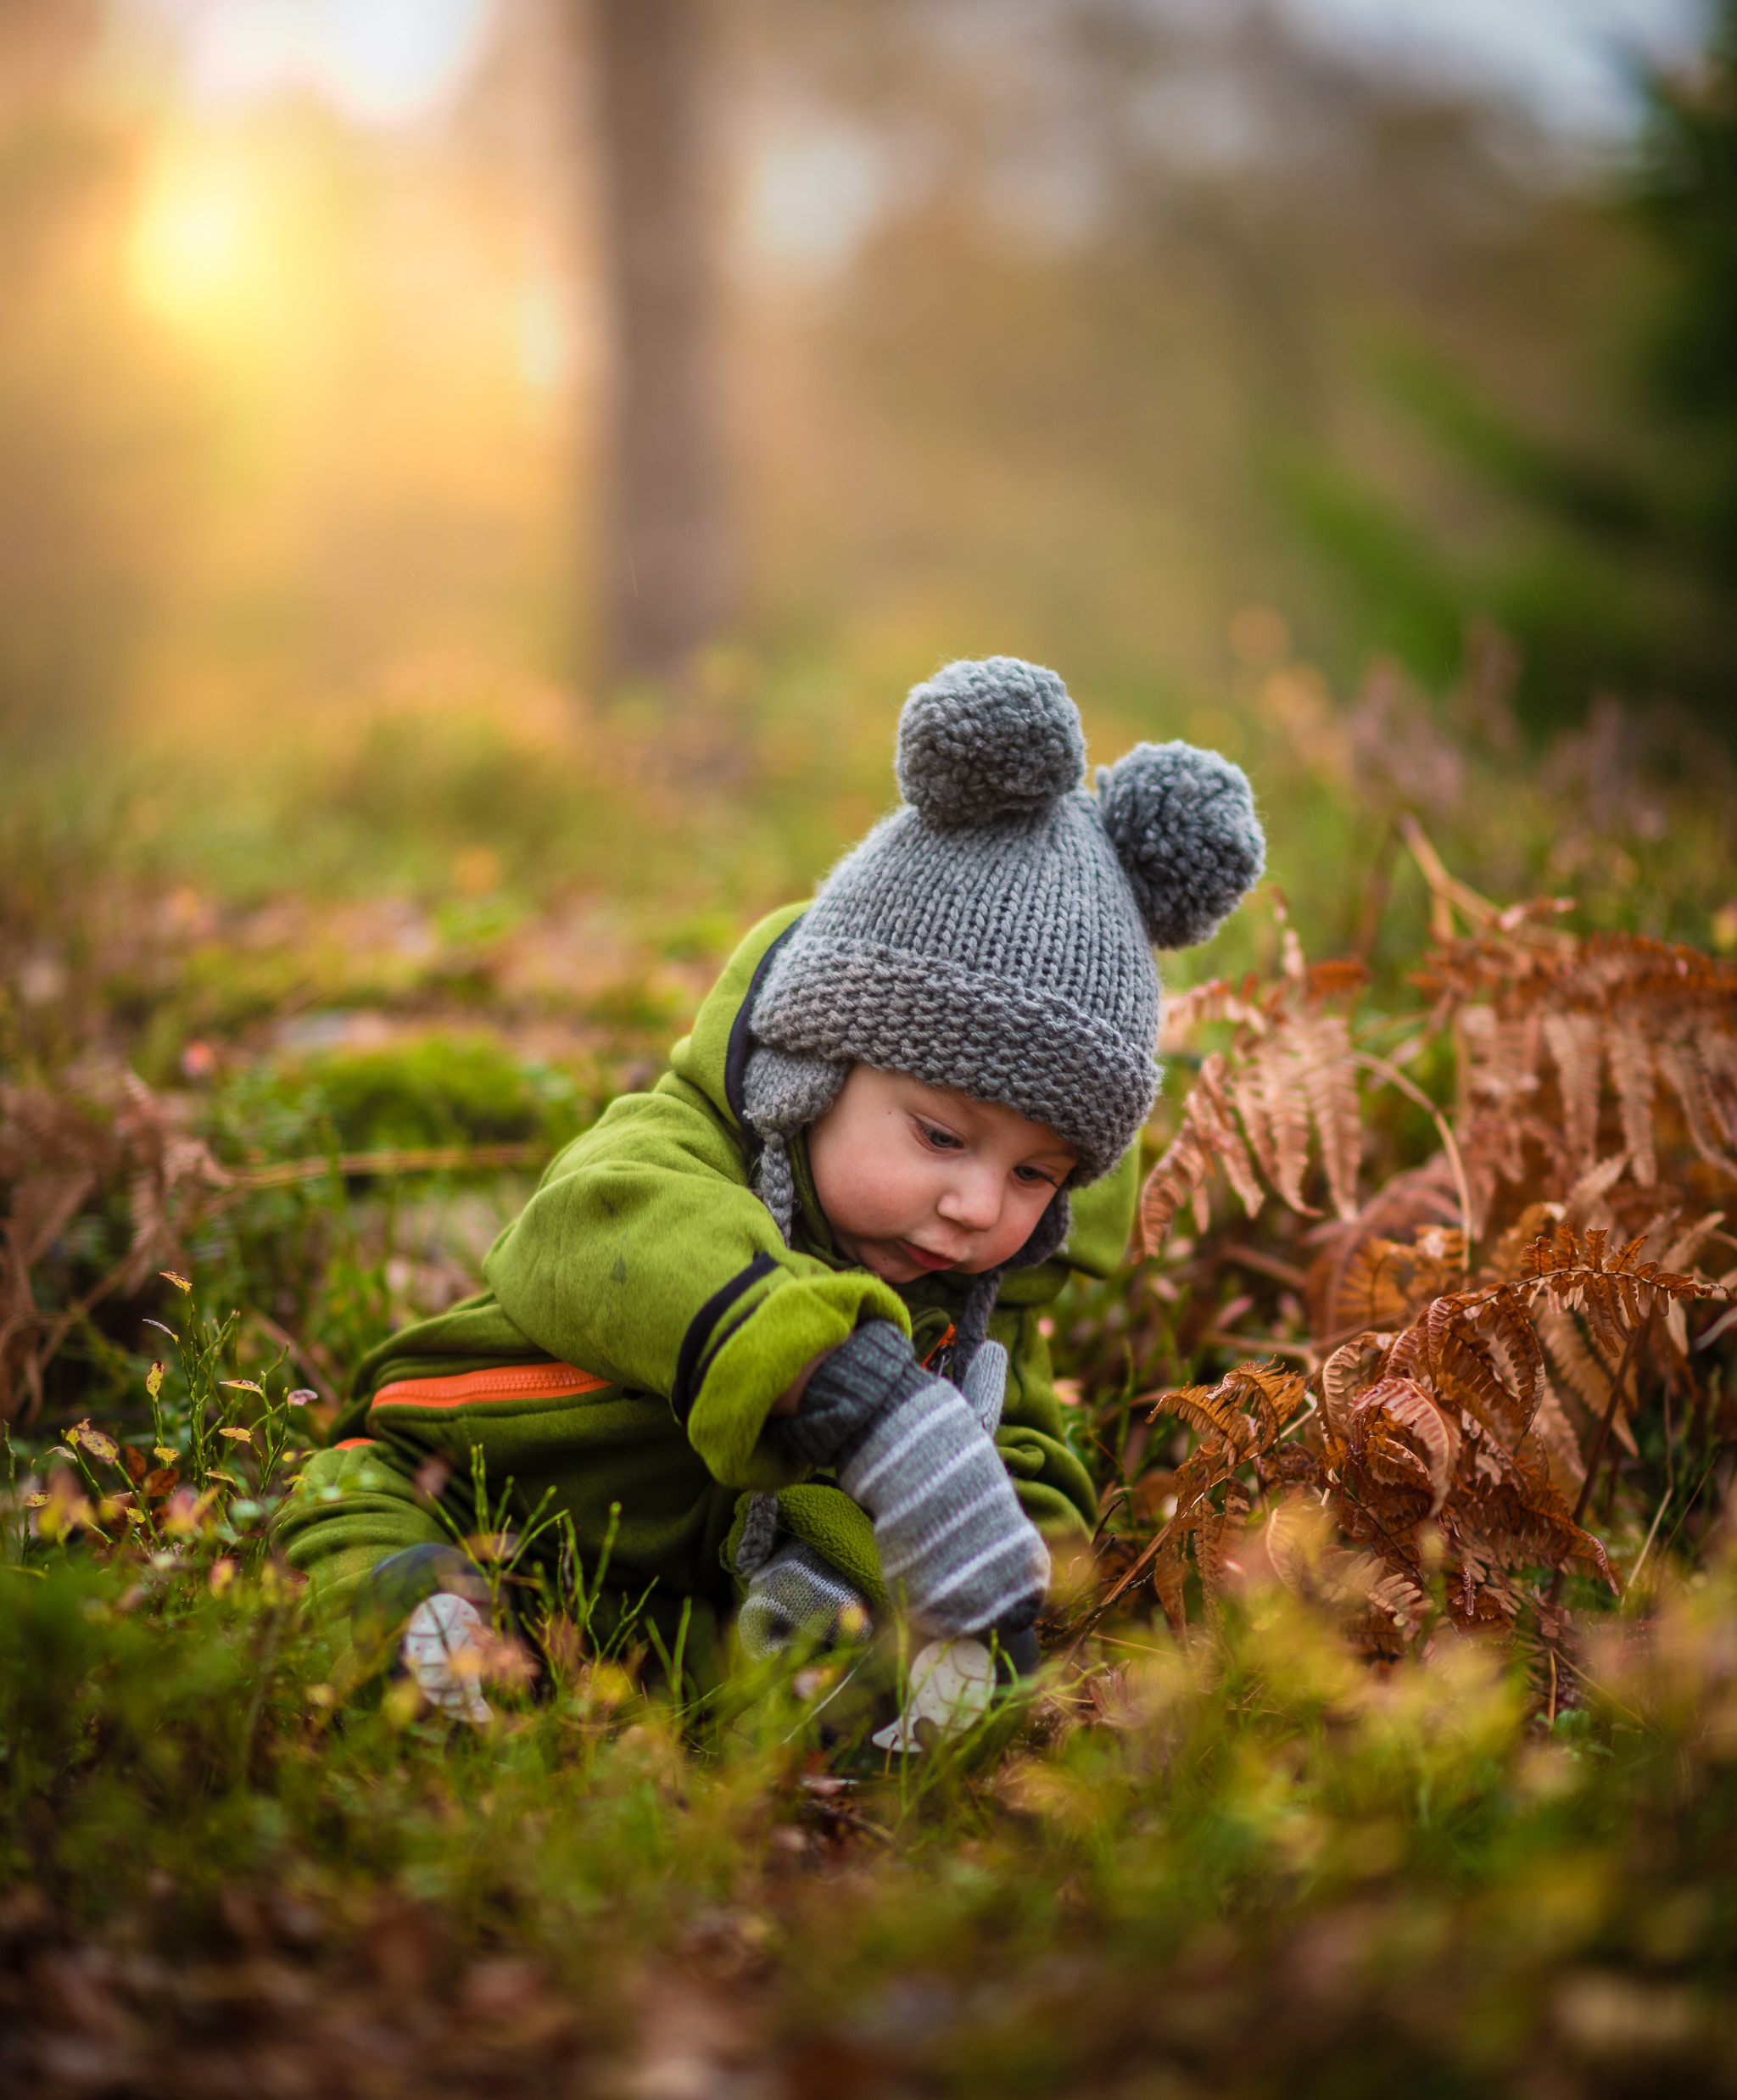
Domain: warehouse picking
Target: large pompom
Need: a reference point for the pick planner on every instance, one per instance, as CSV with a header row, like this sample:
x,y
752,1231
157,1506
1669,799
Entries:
x,y
1183,824
981,742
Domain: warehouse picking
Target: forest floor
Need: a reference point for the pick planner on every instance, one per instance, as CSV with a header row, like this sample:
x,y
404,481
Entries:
x,y
1389,1733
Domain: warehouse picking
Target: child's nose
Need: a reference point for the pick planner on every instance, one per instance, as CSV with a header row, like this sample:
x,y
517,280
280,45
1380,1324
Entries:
x,y
972,1200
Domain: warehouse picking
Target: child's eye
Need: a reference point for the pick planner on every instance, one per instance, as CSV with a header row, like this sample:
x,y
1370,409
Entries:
x,y
943,1140
1032,1175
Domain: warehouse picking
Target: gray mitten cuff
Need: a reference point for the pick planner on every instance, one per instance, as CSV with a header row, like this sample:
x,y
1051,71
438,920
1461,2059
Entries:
x,y
871,1373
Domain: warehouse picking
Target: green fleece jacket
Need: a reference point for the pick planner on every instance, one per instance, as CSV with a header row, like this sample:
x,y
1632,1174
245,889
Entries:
x,y
645,1260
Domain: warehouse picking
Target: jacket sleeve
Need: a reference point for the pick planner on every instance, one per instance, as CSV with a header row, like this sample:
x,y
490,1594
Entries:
x,y
645,1258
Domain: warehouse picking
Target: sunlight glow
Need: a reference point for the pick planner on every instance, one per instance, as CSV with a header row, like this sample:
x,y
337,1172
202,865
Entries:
x,y
196,247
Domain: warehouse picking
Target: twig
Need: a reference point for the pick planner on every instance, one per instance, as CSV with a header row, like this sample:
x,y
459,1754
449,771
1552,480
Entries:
x,y
1376,889
413,1159
1262,1345
285,1340
1445,890
1236,1255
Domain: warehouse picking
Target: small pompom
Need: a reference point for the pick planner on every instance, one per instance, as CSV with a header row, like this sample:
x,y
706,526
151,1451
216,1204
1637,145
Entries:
x,y
981,742
1183,824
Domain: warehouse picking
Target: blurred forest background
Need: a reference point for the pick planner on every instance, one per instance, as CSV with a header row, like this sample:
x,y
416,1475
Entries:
x,y
1217,360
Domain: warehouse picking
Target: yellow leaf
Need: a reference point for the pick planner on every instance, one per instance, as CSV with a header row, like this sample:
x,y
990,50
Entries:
x,y
237,1435
96,1442
162,1451
243,1385
153,1381
169,1276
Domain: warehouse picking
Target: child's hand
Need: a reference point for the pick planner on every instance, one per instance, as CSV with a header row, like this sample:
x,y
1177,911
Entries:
x,y
953,1539
445,1643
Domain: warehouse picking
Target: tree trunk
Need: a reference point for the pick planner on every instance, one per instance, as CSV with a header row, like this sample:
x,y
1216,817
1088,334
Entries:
x,y
667,562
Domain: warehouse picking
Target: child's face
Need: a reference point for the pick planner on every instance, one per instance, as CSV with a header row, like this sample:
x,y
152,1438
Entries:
x,y
915,1179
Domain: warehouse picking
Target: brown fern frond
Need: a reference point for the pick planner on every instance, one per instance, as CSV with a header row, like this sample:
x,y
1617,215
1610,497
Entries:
x,y
1210,1410
1682,1065
1513,1339
1586,1375
1630,1057
1275,1110
1386,1284
1217,1001
1682,1251
1321,1043
1573,1041
1405,1437
1219,1130
1181,1173
1442,1351
1336,978
1556,1433
1352,1366
1268,1391
1585,1203
1508,1258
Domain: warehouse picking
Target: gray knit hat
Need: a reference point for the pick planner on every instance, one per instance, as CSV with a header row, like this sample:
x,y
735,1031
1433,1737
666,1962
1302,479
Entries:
x,y
995,933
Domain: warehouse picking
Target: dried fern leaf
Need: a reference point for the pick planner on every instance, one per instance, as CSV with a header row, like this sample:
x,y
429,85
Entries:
x,y
1185,1012
1585,1375
1275,1083
1513,1344
1585,1203
1352,1365
1268,1390
1397,1422
1556,1433
1208,1409
1573,1041
1181,1172
1682,1066
1322,1044
1219,1131
1681,1252
1630,1059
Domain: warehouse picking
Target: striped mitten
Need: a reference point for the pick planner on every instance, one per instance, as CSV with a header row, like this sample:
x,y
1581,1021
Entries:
x,y
907,1447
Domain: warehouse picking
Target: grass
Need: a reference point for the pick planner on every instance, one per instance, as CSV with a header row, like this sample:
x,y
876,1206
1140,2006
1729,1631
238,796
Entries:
x,y
1242,1862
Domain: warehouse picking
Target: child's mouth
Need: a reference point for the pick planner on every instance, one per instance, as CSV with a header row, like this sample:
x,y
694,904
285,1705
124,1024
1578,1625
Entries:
x,y
924,1258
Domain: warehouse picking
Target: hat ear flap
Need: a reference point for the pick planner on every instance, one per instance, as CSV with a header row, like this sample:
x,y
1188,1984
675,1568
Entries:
x,y
1183,825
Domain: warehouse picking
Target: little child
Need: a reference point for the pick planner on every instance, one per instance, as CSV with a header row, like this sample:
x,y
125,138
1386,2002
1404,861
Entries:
x,y
784,1310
